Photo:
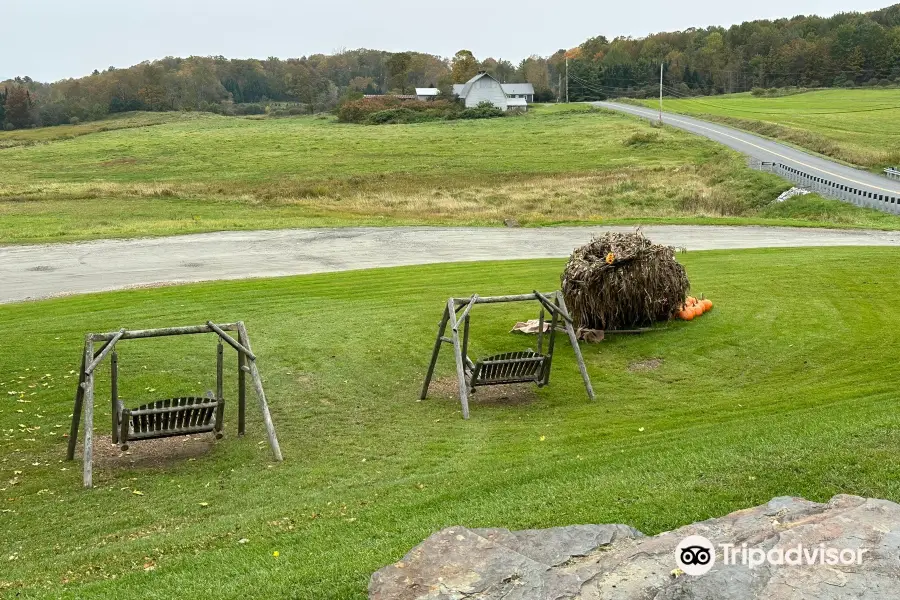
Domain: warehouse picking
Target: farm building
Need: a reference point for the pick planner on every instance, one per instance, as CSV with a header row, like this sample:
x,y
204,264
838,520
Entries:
x,y
427,93
488,89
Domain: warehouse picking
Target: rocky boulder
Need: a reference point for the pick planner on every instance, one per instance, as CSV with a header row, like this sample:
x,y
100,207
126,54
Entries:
x,y
593,562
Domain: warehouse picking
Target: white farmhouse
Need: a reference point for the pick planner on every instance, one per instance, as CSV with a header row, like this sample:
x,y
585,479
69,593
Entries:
x,y
485,88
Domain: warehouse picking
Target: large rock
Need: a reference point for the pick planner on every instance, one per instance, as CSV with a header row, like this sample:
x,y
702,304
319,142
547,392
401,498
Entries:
x,y
593,562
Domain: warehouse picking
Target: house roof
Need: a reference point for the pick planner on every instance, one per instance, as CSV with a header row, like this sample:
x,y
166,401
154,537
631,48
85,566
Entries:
x,y
517,88
468,86
427,91
510,89
516,102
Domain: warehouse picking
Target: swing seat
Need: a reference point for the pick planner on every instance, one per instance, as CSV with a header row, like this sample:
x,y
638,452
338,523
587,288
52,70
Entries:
x,y
509,367
172,417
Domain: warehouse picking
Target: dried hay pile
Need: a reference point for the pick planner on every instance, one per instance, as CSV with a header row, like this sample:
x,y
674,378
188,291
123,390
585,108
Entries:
x,y
620,281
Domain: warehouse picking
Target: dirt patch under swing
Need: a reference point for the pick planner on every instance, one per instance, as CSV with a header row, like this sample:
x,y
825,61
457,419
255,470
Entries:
x,y
447,388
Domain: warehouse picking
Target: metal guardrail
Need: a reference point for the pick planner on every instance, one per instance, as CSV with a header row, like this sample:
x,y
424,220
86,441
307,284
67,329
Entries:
x,y
830,189
892,172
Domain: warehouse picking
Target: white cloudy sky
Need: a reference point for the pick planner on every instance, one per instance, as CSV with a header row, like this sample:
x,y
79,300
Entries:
x,y
54,39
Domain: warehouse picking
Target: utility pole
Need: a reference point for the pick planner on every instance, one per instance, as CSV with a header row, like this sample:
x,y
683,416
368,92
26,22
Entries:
x,y
660,92
567,79
559,89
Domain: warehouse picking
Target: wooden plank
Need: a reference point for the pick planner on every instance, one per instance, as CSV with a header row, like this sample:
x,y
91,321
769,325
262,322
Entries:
x,y
575,347
76,410
242,392
231,341
123,428
496,299
106,350
260,395
544,300
220,385
88,467
465,313
550,347
161,332
460,365
114,394
442,327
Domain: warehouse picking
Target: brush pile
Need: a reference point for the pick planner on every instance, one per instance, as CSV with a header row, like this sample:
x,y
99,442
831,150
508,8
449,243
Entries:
x,y
622,281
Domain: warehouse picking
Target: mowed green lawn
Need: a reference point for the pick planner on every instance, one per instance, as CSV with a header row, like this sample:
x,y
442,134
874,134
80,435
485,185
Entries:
x,y
556,165
789,386
854,126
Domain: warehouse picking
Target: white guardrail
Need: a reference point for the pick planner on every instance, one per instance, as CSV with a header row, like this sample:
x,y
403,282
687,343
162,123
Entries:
x,y
892,172
830,189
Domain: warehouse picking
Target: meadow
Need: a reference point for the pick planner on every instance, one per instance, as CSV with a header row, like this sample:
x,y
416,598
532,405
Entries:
x,y
857,126
776,391
175,173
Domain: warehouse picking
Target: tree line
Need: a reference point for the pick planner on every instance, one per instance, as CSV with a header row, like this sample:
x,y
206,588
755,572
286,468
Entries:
x,y
847,49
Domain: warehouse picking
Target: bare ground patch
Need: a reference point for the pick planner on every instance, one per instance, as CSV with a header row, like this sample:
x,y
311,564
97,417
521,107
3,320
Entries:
x,y
446,388
648,364
150,453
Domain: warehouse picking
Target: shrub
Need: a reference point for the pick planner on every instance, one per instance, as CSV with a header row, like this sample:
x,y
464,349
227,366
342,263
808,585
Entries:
x,y
360,111
249,109
484,110
74,121
9,127
641,138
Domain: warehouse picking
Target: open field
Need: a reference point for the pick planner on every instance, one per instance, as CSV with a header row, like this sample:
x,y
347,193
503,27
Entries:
x,y
776,391
558,164
855,126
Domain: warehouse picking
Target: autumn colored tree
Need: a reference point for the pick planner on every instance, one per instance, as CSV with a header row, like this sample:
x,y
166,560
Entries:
x,y
463,66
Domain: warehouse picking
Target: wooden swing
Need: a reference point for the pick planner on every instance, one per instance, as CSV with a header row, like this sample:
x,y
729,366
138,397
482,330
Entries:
x,y
186,415
510,367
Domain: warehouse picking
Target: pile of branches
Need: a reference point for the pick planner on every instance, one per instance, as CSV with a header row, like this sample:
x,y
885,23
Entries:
x,y
622,281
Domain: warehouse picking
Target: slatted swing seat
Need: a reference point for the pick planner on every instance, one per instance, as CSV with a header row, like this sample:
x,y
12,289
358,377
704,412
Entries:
x,y
171,417
509,367
525,366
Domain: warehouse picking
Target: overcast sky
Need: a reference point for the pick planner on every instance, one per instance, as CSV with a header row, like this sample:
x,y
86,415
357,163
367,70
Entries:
x,y
55,39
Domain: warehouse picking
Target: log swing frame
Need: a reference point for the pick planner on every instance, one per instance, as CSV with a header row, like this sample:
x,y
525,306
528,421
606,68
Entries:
x,y
467,371
90,360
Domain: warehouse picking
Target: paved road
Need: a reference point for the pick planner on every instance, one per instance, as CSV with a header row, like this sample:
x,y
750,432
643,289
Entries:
x,y
767,150
30,272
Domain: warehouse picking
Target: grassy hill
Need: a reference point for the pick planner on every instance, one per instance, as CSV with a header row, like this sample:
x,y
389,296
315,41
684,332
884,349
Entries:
x,y
772,393
855,126
198,172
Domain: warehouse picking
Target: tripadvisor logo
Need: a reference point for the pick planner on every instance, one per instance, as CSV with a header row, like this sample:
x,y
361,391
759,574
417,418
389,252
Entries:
x,y
696,555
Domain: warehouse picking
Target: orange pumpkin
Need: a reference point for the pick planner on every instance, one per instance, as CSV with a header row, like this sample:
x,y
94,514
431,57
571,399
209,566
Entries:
x,y
690,301
698,309
707,304
686,314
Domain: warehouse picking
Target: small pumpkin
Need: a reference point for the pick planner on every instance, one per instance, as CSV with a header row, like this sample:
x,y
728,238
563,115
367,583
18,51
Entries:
x,y
690,301
686,314
698,309
707,304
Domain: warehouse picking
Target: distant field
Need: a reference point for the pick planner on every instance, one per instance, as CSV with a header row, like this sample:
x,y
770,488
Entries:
x,y
195,172
854,126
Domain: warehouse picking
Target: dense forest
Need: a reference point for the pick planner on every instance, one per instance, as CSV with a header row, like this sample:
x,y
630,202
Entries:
x,y
848,49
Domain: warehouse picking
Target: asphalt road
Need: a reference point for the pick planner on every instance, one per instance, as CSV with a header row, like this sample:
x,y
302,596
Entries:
x,y
767,150
32,272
